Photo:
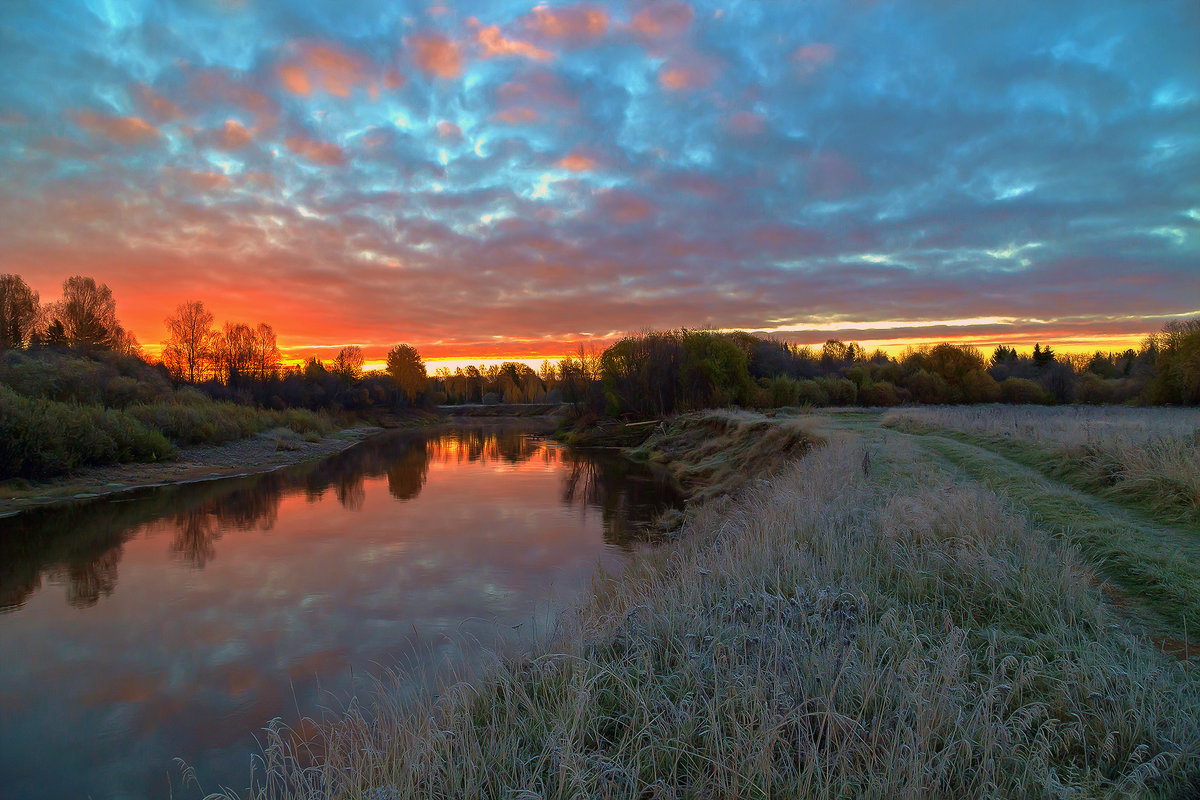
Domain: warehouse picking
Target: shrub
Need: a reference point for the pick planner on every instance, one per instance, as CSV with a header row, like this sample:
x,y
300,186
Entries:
x,y
880,393
811,393
783,391
841,392
42,438
1021,390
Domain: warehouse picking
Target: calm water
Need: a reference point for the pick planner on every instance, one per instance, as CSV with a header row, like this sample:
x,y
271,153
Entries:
x,y
178,622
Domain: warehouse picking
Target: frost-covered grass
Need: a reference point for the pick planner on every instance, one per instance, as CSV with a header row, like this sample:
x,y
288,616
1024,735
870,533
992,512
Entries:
x,y
1143,456
862,622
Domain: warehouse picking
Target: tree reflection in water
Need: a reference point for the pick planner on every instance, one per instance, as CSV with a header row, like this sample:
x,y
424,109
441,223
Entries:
x,y
80,545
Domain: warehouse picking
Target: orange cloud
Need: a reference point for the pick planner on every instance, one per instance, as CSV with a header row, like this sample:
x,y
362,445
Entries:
x,y
294,79
436,55
124,130
685,76
576,161
332,68
662,19
516,116
493,44
449,132
232,135
315,150
155,105
393,79
811,57
573,22
200,181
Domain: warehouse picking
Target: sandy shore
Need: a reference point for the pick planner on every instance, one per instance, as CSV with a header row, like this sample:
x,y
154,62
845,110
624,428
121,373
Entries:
x,y
261,453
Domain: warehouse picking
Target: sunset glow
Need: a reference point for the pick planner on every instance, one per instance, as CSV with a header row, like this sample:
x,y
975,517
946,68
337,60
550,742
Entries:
x,y
504,180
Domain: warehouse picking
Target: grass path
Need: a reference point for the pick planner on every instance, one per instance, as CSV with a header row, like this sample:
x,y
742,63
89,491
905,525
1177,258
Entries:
x,y
1154,566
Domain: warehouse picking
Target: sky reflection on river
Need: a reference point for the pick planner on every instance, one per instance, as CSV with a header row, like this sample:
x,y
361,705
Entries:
x,y
178,622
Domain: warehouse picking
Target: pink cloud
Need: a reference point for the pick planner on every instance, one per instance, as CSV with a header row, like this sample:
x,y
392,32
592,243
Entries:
x,y
577,24
685,76
211,87
811,57
294,79
516,116
233,135
436,55
316,150
199,181
576,161
494,44
123,130
663,19
448,131
537,88
329,67
155,105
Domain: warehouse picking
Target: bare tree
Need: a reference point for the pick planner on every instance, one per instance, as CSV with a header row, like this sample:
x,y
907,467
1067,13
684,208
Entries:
x,y
88,315
235,352
187,350
19,312
266,352
348,364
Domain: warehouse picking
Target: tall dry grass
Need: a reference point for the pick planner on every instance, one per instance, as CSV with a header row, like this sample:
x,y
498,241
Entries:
x,y
851,627
1148,455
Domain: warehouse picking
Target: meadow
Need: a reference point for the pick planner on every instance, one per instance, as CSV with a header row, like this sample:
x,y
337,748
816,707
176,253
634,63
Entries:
x,y
847,608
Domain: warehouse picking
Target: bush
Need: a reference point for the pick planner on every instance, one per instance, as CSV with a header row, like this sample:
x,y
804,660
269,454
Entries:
x,y
1021,390
979,387
1094,390
42,438
880,393
810,393
783,391
841,392
929,388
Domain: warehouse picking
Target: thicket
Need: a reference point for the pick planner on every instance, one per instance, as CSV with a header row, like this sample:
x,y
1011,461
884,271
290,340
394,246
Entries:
x,y
62,410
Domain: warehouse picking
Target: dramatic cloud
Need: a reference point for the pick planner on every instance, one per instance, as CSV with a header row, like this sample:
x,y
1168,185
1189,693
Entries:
x,y
492,44
313,150
436,55
123,130
577,162
663,19
502,179
573,23
323,66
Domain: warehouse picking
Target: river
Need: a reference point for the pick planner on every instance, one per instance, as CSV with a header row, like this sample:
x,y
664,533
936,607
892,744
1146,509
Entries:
x,y
174,623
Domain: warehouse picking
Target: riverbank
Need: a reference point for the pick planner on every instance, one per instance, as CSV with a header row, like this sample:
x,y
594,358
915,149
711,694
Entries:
x,y
264,452
861,618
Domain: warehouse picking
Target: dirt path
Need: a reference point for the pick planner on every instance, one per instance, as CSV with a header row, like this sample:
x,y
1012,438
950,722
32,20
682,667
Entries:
x,y
261,453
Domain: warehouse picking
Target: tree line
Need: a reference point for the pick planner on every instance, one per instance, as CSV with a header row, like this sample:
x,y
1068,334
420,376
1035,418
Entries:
x,y
646,374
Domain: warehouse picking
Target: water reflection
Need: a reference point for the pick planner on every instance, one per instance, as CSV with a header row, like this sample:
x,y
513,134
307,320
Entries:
x,y
79,546
196,613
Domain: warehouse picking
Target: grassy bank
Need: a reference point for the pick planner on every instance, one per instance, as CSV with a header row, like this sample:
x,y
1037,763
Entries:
x,y
1146,457
861,621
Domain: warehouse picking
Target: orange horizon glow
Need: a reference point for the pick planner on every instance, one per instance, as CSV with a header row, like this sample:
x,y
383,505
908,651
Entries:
x,y
1023,342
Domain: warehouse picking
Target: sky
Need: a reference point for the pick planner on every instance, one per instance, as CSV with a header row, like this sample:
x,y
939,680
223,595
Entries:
x,y
503,179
